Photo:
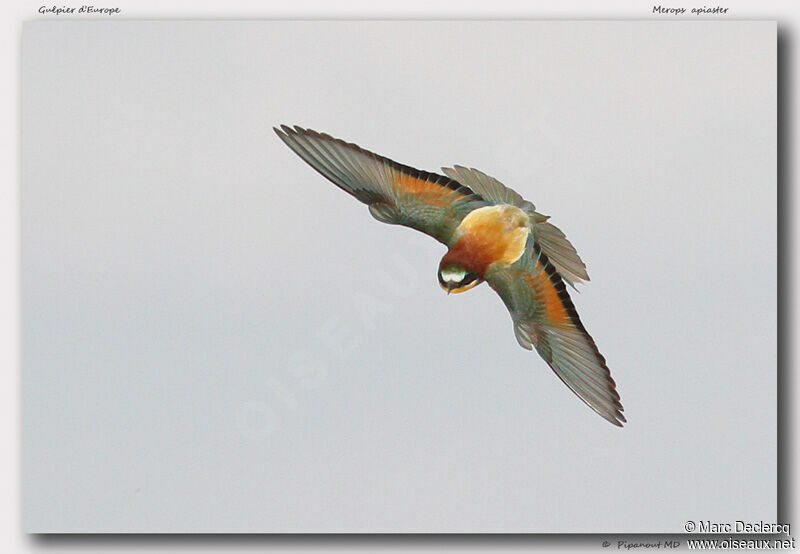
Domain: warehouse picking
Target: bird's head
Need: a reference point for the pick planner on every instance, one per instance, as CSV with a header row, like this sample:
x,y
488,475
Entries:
x,y
456,278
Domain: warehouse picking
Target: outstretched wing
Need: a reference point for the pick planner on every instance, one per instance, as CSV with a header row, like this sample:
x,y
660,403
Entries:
x,y
395,193
558,249
545,318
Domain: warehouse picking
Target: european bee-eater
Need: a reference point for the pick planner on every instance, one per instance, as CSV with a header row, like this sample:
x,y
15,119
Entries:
x,y
492,235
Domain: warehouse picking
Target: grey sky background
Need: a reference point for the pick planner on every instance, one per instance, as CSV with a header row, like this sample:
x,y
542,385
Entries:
x,y
216,339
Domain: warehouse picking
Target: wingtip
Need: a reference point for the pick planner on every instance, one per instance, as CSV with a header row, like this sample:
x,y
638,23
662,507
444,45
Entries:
x,y
613,415
284,131
619,419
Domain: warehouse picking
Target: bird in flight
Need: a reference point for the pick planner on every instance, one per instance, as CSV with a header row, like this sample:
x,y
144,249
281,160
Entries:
x,y
492,235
